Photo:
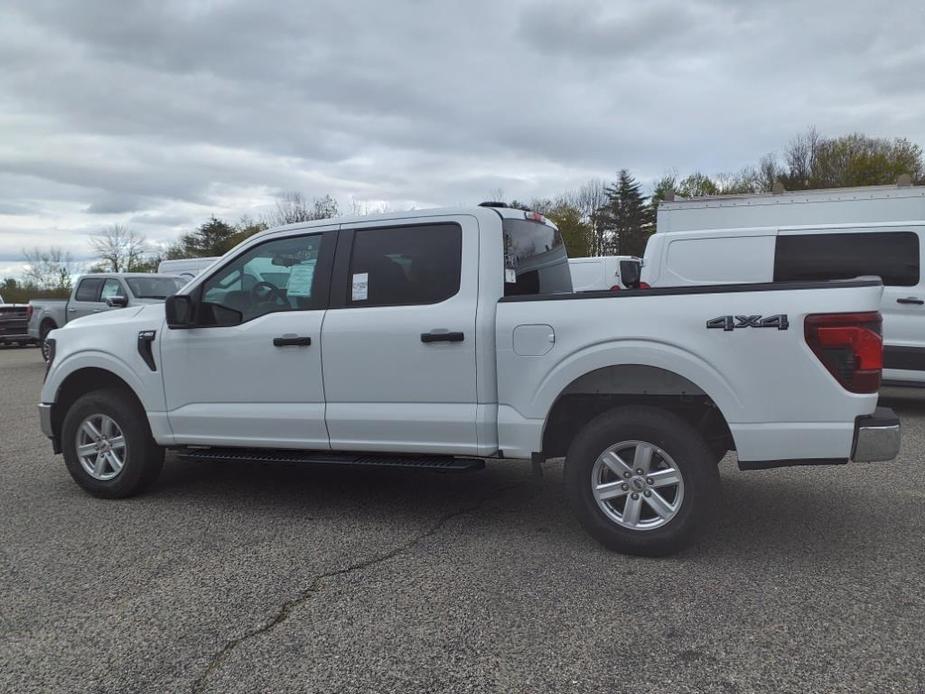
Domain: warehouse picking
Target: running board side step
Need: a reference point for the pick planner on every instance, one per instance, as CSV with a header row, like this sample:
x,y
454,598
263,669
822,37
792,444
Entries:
x,y
265,455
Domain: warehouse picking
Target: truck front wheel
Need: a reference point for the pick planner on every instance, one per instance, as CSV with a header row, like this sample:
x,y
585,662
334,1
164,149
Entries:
x,y
641,480
46,327
108,448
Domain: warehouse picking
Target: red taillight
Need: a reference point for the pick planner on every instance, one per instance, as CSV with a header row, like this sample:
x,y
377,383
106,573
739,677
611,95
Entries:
x,y
850,346
615,288
645,285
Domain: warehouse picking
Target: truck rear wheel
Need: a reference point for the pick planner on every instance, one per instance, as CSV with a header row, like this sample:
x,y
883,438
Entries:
x,y
107,446
641,480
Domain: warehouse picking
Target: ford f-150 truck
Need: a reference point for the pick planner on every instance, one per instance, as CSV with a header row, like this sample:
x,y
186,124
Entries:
x,y
439,338
96,292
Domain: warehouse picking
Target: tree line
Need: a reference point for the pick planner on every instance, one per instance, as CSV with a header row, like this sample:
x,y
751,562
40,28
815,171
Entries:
x,y
602,218
598,218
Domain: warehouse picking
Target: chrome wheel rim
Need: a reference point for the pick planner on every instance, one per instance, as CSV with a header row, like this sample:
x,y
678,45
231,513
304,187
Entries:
x,y
45,351
637,485
101,447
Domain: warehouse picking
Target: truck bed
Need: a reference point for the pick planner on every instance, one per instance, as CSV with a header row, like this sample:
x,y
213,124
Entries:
x,y
779,400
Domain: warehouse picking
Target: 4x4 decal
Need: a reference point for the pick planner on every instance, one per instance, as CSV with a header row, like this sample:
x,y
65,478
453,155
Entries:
x,y
727,323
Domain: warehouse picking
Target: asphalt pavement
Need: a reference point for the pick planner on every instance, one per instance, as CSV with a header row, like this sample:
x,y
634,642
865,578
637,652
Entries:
x,y
266,578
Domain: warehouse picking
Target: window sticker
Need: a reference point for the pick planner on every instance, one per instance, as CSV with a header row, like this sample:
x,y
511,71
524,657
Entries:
x,y
360,286
300,279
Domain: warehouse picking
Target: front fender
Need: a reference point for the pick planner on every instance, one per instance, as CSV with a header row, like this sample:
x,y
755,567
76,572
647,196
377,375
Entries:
x,y
147,388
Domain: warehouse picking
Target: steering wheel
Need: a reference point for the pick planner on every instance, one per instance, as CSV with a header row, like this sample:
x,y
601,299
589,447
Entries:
x,y
271,293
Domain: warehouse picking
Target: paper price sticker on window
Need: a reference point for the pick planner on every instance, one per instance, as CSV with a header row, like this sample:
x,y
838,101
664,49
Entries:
x,y
510,275
300,279
360,286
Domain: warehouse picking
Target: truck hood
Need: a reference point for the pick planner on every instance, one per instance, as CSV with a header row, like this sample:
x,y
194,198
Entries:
x,y
153,312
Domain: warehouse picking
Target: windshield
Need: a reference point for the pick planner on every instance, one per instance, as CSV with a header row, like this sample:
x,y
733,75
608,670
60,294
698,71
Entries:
x,y
154,287
535,261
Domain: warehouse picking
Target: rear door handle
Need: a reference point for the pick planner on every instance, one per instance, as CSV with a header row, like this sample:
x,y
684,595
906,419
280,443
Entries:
x,y
290,341
434,336
910,300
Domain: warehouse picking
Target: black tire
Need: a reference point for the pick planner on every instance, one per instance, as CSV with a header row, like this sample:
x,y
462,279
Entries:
x,y
669,433
44,329
143,458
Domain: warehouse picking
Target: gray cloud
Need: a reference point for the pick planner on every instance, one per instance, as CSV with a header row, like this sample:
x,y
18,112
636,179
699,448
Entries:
x,y
159,114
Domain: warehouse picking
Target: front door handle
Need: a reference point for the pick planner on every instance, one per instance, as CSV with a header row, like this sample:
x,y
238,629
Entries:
x,y
910,300
434,336
291,341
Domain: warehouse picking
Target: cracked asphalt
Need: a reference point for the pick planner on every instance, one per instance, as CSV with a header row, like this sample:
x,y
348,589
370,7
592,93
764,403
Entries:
x,y
266,578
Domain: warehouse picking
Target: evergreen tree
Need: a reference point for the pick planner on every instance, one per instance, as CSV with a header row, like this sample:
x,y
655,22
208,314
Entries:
x,y
212,238
627,219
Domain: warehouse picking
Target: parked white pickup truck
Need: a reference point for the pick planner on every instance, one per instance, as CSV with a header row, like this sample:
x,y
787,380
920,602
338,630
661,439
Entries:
x,y
438,338
96,292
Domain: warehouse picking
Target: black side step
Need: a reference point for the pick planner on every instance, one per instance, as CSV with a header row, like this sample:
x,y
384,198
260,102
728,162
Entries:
x,y
266,455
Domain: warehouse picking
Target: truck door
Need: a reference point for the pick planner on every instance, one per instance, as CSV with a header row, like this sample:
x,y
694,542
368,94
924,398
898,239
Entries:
x,y
399,338
250,373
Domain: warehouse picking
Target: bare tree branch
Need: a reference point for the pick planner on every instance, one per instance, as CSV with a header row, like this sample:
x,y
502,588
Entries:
x,y
119,249
49,268
292,208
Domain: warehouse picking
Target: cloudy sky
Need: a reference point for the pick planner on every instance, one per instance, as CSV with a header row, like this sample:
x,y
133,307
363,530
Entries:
x,y
156,114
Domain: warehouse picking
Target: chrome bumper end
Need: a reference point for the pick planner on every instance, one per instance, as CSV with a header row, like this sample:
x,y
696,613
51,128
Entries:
x,y
45,419
876,437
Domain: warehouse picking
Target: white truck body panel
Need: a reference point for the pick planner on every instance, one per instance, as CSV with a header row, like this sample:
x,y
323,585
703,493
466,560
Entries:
x,y
733,240
668,332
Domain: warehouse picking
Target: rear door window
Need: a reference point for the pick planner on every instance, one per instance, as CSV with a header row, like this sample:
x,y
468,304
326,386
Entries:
x,y
892,255
535,261
408,265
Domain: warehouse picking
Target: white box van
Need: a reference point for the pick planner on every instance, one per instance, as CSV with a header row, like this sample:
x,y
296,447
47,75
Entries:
x,y
806,236
185,267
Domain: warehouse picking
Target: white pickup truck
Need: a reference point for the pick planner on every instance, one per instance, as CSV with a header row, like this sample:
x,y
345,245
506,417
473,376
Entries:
x,y
439,338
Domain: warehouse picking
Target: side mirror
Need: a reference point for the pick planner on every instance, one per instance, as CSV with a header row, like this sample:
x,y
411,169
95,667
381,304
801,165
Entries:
x,y
117,301
179,311
630,273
